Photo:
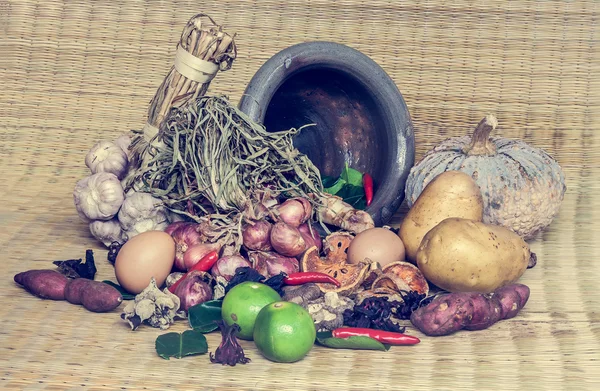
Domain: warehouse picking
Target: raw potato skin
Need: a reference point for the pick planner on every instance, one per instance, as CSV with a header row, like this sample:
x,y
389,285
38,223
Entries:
x,y
468,310
460,255
95,296
450,194
47,284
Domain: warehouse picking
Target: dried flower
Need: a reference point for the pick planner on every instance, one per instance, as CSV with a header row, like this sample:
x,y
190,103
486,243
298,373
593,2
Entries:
x,y
153,306
229,351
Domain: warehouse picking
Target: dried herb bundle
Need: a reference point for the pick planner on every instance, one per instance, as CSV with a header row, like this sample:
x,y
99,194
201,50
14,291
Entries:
x,y
214,164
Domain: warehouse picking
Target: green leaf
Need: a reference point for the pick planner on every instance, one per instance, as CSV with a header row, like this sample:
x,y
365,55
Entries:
x,y
328,181
335,187
351,176
203,317
357,343
188,343
353,195
126,295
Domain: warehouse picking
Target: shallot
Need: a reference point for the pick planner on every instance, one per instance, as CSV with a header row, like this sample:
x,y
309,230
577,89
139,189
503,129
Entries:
x,y
287,240
227,265
195,253
270,264
256,235
193,290
185,236
311,238
295,211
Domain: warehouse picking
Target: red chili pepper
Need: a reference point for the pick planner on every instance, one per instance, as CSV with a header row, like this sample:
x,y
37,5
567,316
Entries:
x,y
382,336
368,186
203,265
308,277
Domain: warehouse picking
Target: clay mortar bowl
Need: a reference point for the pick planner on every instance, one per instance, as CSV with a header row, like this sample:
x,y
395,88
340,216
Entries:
x,y
360,115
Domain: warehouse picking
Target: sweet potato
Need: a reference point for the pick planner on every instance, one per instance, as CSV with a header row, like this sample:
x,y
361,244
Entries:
x,y
470,311
486,312
512,298
444,315
95,296
47,284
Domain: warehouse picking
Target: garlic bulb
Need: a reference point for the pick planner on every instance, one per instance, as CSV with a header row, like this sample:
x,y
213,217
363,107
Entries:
x,y
107,231
123,142
141,212
98,197
107,157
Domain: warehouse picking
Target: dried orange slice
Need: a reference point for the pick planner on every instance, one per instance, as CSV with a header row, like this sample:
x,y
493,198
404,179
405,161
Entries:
x,y
350,276
402,276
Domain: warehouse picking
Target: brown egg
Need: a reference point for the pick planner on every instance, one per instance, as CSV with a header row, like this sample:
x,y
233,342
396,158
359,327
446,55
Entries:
x,y
149,254
377,244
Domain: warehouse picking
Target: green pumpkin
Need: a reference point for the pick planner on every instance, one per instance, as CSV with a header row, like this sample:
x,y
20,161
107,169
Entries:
x,y
522,186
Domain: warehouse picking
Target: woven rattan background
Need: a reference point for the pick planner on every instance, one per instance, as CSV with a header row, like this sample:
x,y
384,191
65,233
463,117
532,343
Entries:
x,y
74,72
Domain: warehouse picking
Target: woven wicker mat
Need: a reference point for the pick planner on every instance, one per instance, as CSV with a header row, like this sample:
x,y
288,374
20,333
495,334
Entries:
x,y
73,73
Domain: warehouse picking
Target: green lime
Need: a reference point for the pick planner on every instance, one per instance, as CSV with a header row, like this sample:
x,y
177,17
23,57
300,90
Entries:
x,y
284,332
242,304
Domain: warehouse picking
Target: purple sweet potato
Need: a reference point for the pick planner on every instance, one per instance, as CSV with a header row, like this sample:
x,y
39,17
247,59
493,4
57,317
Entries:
x,y
74,290
444,315
95,296
512,298
47,284
470,311
486,312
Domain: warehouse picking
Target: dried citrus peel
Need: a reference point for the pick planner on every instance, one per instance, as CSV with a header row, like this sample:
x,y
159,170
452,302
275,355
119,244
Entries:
x,y
351,276
402,277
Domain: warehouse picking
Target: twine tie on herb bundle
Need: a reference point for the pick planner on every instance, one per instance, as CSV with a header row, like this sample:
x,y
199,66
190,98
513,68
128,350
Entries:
x,y
193,68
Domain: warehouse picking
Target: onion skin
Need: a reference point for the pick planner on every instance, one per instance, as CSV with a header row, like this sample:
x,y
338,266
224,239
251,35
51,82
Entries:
x,y
193,290
195,253
314,239
173,226
287,240
226,266
270,264
185,236
295,211
256,236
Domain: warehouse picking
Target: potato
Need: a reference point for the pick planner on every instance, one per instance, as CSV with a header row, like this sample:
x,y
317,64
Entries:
x,y
47,284
461,255
450,194
95,296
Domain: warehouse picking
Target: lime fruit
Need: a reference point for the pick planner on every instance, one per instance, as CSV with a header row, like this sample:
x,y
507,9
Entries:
x,y
242,304
284,332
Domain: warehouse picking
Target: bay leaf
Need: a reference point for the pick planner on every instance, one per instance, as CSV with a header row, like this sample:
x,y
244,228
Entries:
x,y
203,317
178,345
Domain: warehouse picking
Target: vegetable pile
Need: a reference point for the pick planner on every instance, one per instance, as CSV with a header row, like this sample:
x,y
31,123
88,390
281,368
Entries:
x,y
210,218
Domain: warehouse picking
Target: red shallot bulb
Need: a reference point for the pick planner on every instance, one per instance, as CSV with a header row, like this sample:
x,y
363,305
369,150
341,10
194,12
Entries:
x,y
193,290
287,240
295,211
256,236
270,264
311,240
185,236
195,253
226,266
